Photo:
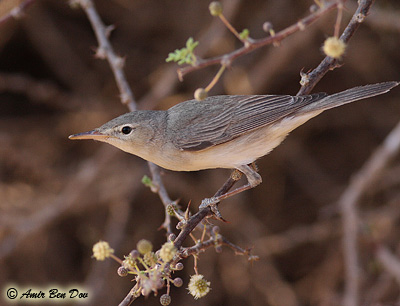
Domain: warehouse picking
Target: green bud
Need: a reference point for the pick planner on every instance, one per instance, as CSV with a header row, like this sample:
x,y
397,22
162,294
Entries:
x,y
215,8
200,94
244,34
147,181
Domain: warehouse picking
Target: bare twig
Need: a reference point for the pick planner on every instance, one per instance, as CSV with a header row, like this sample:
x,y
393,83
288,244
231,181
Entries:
x,y
163,194
105,50
131,296
389,261
348,201
16,12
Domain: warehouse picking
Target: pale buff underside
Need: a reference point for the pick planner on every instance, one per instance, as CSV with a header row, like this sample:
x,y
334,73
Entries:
x,y
239,151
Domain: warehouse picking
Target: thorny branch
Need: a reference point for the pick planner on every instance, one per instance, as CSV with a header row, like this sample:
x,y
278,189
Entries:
x,y
329,63
349,198
253,44
106,51
313,78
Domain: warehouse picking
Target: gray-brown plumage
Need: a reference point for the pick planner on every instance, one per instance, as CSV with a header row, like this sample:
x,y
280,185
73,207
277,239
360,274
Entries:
x,y
221,131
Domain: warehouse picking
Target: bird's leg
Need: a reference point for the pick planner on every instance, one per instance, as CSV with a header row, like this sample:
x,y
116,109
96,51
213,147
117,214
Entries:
x,y
234,177
253,179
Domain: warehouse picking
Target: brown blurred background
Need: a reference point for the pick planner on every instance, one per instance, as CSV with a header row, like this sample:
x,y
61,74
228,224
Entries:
x,y
59,197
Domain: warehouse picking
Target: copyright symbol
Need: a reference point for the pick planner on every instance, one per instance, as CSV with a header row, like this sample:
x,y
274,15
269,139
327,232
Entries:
x,y
12,293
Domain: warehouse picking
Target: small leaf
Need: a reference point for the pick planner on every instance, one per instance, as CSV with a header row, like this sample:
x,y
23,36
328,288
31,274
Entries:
x,y
147,181
244,34
184,55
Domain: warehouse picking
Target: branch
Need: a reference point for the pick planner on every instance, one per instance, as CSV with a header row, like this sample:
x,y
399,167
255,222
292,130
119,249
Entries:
x,y
330,63
253,44
131,296
365,177
194,220
163,194
389,261
106,51
16,12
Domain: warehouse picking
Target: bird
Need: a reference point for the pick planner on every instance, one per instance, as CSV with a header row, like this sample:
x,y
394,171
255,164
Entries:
x,y
222,131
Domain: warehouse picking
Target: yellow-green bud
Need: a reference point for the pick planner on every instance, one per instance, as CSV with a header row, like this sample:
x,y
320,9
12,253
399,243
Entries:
x,y
170,210
215,8
129,262
150,259
168,251
144,246
200,94
102,250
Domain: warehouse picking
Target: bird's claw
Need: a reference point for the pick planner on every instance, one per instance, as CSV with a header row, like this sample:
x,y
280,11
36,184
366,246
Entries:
x,y
208,202
212,203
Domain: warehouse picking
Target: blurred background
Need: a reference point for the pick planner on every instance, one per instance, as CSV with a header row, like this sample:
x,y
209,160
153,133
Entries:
x,y
59,197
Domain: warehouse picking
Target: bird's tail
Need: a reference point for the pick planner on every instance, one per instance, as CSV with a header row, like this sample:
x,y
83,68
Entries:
x,y
350,95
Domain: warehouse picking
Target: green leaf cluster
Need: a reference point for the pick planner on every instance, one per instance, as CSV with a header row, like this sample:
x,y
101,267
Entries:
x,y
184,55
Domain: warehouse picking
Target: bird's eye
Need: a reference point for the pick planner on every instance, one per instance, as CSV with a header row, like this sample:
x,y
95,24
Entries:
x,y
126,129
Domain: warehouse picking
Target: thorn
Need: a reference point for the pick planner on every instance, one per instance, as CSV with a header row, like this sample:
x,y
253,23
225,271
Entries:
x,y
101,53
180,74
119,62
187,212
217,214
109,29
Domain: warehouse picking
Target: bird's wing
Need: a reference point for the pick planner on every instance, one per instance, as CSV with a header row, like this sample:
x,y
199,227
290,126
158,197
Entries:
x,y
234,116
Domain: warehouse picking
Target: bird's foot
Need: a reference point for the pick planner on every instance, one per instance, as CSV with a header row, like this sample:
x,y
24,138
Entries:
x,y
208,202
213,204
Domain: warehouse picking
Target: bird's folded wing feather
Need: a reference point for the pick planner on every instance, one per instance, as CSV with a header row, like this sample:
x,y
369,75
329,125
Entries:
x,y
234,116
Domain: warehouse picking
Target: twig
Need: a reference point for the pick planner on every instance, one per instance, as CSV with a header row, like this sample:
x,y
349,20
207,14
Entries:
x,y
194,220
131,296
191,225
347,34
105,50
163,194
168,81
253,44
330,63
389,261
348,201
16,12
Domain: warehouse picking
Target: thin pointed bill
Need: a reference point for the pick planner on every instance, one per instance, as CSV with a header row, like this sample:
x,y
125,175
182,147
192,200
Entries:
x,y
95,135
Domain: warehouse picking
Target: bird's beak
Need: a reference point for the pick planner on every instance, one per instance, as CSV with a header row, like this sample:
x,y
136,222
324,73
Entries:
x,y
95,135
